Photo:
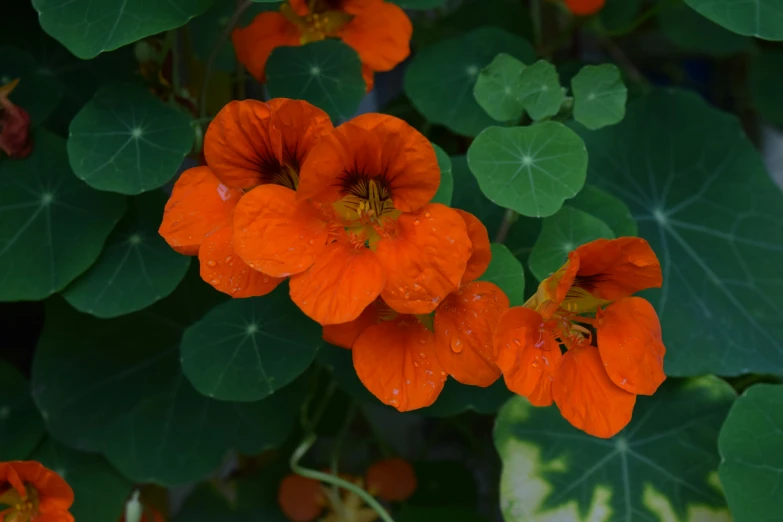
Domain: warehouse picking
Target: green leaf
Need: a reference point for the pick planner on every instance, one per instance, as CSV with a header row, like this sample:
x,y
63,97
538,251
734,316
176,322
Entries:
x,y
560,234
599,96
438,514
327,74
457,398
418,4
245,349
766,84
468,196
703,199
443,483
446,188
689,30
541,93
498,88
761,18
750,442
619,15
38,91
440,78
507,272
21,427
126,140
339,362
136,268
662,466
52,226
530,170
207,504
100,492
609,209
88,31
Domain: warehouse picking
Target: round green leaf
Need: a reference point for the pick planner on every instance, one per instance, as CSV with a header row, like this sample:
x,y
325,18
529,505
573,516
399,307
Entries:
x,y
560,234
207,504
100,491
530,170
52,226
126,140
766,84
446,188
599,96
609,209
438,514
21,427
498,88
506,272
457,398
689,30
87,30
327,74
750,443
703,199
541,93
38,92
339,362
440,78
662,466
761,18
245,349
468,196
136,268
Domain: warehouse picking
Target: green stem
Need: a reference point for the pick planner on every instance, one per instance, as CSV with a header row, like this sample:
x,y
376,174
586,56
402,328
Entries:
x,y
652,11
338,442
508,220
538,30
368,499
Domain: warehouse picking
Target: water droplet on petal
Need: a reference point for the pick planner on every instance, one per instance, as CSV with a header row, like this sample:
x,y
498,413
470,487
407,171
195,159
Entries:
x,y
228,259
422,355
215,281
427,214
415,364
312,242
416,222
252,265
210,263
456,345
416,286
422,341
266,279
517,342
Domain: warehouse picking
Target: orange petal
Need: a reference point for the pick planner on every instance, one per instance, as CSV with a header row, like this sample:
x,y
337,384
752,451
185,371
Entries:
x,y
344,280
224,269
482,252
392,480
464,323
380,32
300,126
55,496
587,398
396,361
424,258
585,7
254,43
377,147
553,290
527,354
300,498
199,205
345,334
275,234
369,77
615,268
631,347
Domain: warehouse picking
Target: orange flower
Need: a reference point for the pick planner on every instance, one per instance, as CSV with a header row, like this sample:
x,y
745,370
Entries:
x,y
248,144
359,225
585,7
594,383
304,500
378,31
29,492
14,125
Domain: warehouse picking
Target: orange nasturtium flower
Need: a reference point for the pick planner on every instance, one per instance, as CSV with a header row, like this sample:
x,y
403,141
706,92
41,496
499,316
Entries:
x,y
29,492
585,7
304,500
378,31
595,383
359,225
403,359
249,143
14,125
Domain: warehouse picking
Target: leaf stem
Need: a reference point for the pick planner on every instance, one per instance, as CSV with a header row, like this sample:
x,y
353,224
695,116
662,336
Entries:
x,y
508,219
538,29
303,448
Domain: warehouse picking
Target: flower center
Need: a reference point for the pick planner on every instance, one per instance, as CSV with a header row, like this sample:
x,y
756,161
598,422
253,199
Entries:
x,y
365,199
18,508
323,20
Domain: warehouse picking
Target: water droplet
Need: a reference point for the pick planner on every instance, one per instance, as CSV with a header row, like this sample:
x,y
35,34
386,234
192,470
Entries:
x,y
266,279
210,263
416,286
535,362
443,373
623,382
228,259
422,341
252,265
415,364
401,289
456,345
416,222
395,391
215,281
517,342
407,381
422,355
312,242
427,214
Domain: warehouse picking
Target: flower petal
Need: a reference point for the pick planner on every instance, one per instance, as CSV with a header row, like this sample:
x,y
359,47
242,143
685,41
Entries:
x,y
392,480
587,398
631,347
375,146
369,77
396,361
380,32
464,323
345,334
276,234
584,7
301,499
344,280
553,290
615,268
482,251
224,269
424,258
527,354
199,205
300,127
254,43
55,496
